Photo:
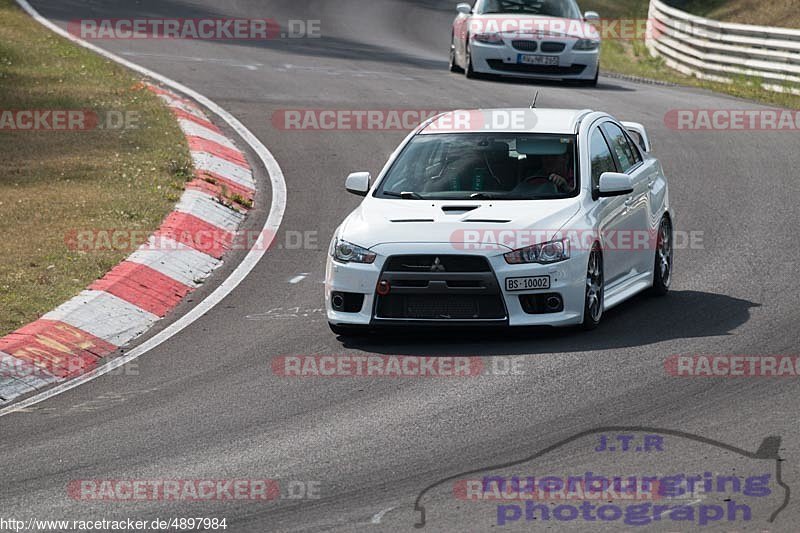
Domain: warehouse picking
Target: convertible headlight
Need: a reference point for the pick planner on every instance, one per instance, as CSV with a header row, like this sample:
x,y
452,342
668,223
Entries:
x,y
587,44
545,253
488,38
346,252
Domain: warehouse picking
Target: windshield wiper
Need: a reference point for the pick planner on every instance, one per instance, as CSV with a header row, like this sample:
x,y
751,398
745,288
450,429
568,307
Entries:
x,y
405,195
482,196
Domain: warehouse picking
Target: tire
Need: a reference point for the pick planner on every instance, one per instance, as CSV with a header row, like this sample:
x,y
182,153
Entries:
x,y
593,301
469,72
349,331
593,82
453,65
662,267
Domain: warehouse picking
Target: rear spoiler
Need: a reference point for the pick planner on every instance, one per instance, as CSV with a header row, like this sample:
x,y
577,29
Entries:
x,y
639,135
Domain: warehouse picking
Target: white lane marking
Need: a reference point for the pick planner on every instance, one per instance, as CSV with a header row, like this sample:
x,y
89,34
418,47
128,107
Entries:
x,y
376,519
223,167
104,316
266,236
175,260
698,500
331,71
183,106
298,278
193,129
248,66
284,313
207,208
22,370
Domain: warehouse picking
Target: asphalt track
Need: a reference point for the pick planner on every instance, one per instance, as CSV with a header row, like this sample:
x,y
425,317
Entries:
x,y
206,405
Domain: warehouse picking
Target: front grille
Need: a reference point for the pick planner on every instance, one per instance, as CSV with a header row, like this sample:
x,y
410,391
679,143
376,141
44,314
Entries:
x,y
525,46
428,263
440,288
553,48
572,70
440,307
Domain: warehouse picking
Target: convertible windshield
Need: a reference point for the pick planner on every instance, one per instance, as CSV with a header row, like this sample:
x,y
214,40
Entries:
x,y
483,167
545,8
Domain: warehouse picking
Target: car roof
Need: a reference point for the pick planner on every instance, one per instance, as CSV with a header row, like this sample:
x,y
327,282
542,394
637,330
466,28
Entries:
x,y
506,120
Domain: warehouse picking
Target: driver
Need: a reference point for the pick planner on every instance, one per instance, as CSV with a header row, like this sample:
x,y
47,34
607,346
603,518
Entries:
x,y
559,171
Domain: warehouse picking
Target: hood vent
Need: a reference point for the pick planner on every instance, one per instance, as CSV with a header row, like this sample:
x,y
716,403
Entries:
x,y
486,221
413,220
458,209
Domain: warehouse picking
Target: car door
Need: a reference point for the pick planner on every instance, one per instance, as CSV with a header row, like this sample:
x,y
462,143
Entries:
x,y
611,212
634,242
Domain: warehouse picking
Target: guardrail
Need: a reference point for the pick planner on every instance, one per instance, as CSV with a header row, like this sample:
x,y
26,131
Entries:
x,y
721,51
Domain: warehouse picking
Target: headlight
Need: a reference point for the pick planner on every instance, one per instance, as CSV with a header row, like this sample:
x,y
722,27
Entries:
x,y
587,44
545,253
488,38
346,252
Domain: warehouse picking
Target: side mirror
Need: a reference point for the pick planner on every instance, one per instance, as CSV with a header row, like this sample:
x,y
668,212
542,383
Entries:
x,y
591,16
614,184
464,9
639,135
358,183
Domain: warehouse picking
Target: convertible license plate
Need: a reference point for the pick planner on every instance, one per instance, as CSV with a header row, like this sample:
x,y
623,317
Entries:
x,y
528,284
527,59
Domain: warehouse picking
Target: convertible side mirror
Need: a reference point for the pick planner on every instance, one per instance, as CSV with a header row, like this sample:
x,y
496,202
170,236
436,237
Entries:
x,y
358,183
591,16
614,184
464,9
639,134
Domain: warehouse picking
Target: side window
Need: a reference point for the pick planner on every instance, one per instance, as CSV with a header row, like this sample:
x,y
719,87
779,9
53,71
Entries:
x,y
626,155
637,143
601,158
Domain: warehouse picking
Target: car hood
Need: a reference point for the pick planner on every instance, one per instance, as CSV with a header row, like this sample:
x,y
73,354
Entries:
x,y
380,221
533,25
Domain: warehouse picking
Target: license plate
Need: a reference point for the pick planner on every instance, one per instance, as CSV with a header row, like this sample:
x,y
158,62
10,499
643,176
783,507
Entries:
x,y
526,59
528,284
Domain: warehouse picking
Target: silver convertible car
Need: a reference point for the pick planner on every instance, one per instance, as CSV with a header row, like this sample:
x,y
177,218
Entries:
x,y
545,39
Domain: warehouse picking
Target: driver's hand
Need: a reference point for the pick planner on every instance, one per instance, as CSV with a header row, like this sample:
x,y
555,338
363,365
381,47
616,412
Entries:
x,y
559,181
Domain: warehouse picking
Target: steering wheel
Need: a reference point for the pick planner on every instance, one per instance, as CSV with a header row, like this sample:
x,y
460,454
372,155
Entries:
x,y
537,179
541,180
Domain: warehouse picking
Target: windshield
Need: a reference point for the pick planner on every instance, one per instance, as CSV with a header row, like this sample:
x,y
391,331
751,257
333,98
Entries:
x,y
503,166
546,8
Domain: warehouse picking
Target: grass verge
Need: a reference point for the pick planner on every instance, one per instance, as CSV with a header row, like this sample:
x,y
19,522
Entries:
x,y
55,182
631,57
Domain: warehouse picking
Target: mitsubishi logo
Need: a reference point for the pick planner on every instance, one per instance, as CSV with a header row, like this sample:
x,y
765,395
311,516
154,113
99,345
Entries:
x,y
437,266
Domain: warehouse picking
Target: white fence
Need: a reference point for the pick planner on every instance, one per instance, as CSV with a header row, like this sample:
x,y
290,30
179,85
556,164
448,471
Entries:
x,y
721,51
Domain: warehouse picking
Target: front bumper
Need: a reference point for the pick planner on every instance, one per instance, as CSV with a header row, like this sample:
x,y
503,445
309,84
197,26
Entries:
x,y
567,280
502,60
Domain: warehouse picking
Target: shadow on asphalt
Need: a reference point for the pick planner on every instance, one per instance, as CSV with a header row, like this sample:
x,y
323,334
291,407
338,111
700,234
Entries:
x,y
640,321
603,85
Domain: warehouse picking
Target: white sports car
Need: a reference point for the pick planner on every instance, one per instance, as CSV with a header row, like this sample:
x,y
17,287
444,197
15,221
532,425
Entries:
x,y
546,39
511,217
